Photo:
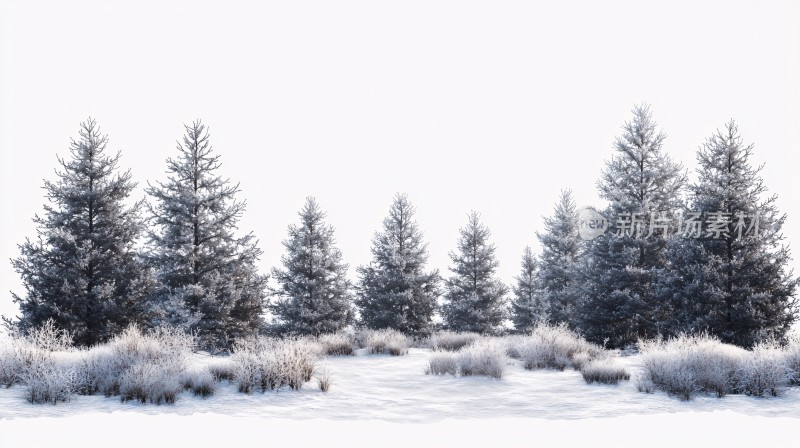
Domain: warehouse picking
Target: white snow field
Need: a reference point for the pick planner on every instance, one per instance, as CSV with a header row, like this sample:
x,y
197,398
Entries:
x,y
382,400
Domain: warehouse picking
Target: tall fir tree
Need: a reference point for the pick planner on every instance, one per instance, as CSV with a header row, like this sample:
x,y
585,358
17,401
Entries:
x,y
558,259
314,292
84,270
644,188
731,278
394,290
474,298
209,283
527,307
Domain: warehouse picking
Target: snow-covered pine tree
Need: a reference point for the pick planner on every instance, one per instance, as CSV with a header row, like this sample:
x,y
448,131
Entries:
x,y
84,270
394,290
474,298
314,294
527,307
731,281
208,280
644,188
557,261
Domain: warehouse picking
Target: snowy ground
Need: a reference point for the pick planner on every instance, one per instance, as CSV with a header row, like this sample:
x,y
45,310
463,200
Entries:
x,y
379,400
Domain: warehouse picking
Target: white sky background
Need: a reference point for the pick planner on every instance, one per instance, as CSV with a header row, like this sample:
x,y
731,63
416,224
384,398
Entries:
x,y
492,106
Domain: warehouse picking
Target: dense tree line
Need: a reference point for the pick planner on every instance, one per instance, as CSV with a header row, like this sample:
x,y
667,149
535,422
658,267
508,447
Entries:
x,y
101,262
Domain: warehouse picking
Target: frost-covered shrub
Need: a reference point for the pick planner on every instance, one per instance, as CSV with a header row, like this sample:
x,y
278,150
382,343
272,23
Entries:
x,y
763,372
150,382
44,361
605,371
669,366
200,381
388,341
451,340
324,378
792,353
552,346
8,362
686,365
336,343
442,362
161,353
484,357
222,369
269,363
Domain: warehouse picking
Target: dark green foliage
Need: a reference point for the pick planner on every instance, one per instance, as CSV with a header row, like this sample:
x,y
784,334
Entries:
x,y
394,290
314,293
83,270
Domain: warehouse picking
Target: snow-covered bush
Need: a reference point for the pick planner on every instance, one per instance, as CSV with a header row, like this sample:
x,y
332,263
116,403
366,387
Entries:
x,y
451,340
764,371
552,346
150,382
222,369
388,341
44,361
156,355
483,357
340,343
605,371
200,381
792,351
442,362
324,378
269,363
8,362
686,365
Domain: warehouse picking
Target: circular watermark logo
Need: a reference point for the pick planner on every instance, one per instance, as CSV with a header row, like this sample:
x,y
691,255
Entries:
x,y
591,223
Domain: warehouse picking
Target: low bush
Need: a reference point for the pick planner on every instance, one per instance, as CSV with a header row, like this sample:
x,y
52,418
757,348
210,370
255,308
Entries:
x,y
764,372
689,364
200,381
552,346
222,369
148,382
388,341
451,340
324,378
336,343
269,363
441,363
604,371
8,362
792,351
484,357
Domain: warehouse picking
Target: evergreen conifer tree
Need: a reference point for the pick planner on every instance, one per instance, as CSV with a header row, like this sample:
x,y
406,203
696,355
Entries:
x,y
731,279
557,261
527,307
644,188
314,292
84,270
394,290
475,297
208,280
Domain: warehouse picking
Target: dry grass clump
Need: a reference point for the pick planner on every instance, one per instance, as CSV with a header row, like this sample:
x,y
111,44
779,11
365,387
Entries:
x,y
269,363
690,364
552,346
451,340
324,378
386,340
335,344
201,382
604,371
222,369
441,363
483,357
